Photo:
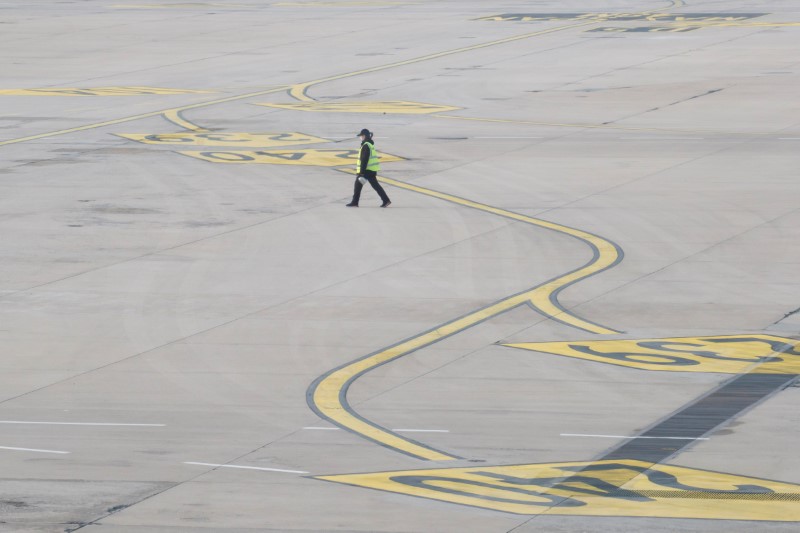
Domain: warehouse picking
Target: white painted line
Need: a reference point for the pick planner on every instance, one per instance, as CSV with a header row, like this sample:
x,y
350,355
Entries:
x,y
789,138
323,429
79,423
423,430
508,137
662,138
248,468
30,450
624,437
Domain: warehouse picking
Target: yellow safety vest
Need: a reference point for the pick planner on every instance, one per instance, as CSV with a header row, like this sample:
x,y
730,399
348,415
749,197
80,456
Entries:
x,y
372,163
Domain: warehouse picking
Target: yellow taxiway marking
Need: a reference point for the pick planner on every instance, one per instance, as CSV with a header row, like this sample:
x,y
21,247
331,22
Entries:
x,y
728,354
309,157
354,3
98,91
542,298
680,27
176,117
196,138
646,29
298,91
393,106
747,24
670,22
182,5
594,488
141,116
599,126
328,395
625,17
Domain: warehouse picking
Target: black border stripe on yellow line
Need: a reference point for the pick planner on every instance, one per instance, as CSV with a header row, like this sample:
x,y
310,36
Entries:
x,y
605,255
327,395
602,488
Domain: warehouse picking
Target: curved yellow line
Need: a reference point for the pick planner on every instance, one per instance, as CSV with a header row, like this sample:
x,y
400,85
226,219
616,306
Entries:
x,y
173,115
298,91
327,396
540,297
141,116
597,126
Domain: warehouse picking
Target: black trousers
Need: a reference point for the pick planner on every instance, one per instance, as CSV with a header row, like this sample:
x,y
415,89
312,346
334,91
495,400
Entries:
x,y
372,177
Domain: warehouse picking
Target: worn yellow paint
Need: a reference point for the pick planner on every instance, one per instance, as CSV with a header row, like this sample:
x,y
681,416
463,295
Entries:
x,y
225,139
392,106
98,91
594,488
738,24
176,117
623,17
181,5
728,354
309,157
139,117
345,3
646,29
299,90
670,22
596,126
328,396
540,297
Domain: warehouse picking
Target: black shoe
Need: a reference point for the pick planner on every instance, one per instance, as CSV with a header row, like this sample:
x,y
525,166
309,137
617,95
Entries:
x,y
352,204
387,203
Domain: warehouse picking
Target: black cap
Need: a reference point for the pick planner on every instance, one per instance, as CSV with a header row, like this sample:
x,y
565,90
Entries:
x,y
366,132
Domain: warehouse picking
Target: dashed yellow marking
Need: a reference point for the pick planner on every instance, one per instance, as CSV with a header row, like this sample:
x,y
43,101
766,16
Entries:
x,y
225,139
310,157
728,354
98,91
394,107
594,488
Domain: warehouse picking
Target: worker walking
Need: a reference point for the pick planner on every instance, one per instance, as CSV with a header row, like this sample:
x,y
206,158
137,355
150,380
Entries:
x,y
367,170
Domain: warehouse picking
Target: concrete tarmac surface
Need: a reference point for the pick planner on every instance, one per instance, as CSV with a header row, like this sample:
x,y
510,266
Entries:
x,y
580,313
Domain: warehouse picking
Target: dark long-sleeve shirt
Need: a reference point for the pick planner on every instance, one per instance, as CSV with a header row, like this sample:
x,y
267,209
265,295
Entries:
x,y
364,156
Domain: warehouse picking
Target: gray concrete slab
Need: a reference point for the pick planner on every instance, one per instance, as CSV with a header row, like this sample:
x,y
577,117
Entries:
x,y
187,344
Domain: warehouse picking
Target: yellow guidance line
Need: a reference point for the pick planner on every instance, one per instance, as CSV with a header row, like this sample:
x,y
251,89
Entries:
x,y
600,126
607,254
174,116
327,396
172,111
299,90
